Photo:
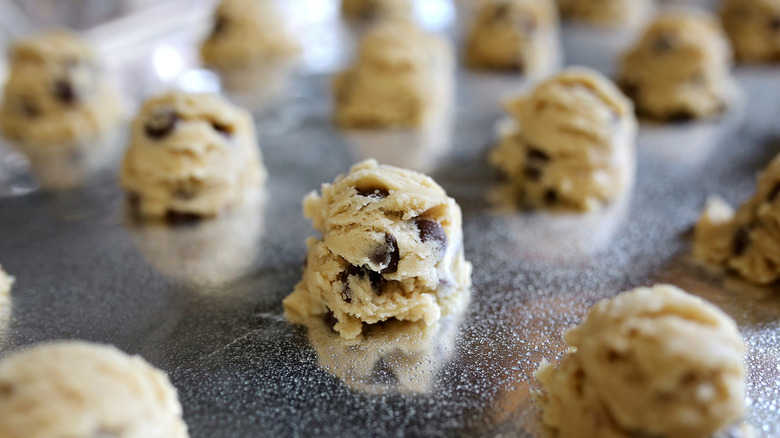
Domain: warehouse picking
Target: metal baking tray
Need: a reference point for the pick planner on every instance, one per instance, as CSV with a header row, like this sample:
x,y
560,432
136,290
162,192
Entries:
x,y
203,301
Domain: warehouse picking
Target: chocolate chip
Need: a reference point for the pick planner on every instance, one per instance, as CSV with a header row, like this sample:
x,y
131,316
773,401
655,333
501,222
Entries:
x,y
387,255
377,282
222,128
221,24
330,319
180,218
681,116
431,231
373,192
375,278
536,154
161,124
550,196
663,43
774,24
773,194
64,91
741,241
532,173
630,89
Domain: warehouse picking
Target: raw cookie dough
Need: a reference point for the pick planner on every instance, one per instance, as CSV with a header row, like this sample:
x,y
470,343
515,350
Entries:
x,y
572,143
372,10
247,33
56,95
515,35
747,241
650,362
754,28
680,69
79,390
391,247
606,13
402,77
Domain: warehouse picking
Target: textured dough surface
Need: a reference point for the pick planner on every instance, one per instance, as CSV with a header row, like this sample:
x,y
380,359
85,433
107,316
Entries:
x,y
754,28
247,33
515,35
401,78
747,241
78,390
191,154
606,13
572,145
372,10
680,68
391,246
650,362
56,95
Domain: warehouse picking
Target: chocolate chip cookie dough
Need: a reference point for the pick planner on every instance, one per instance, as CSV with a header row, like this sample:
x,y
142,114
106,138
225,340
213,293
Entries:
x,y
606,13
56,94
754,29
390,247
371,10
680,69
650,362
247,33
192,155
747,241
402,77
571,143
79,390
514,35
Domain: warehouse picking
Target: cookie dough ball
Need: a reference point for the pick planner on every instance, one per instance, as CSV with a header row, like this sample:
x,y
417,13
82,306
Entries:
x,y
80,390
372,10
680,68
650,362
606,13
514,35
571,144
247,33
56,94
402,77
748,240
391,246
754,28
192,155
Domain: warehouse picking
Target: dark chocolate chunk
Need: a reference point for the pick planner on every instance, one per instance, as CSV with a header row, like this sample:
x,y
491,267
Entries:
x,y
431,231
532,173
630,89
663,43
538,155
222,128
346,292
180,218
387,255
377,282
64,91
373,192
774,24
161,123
773,194
681,116
550,196
330,319
741,240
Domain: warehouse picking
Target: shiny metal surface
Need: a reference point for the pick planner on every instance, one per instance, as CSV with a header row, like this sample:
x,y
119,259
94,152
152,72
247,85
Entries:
x,y
203,301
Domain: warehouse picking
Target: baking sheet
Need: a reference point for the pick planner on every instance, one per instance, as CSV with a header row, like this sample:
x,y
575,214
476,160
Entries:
x,y
203,301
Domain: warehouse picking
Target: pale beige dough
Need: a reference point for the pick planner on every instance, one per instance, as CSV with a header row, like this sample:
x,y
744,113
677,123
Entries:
x,y
401,78
754,28
56,95
650,362
391,246
606,13
373,10
680,68
191,154
79,390
515,35
571,144
247,33
747,241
